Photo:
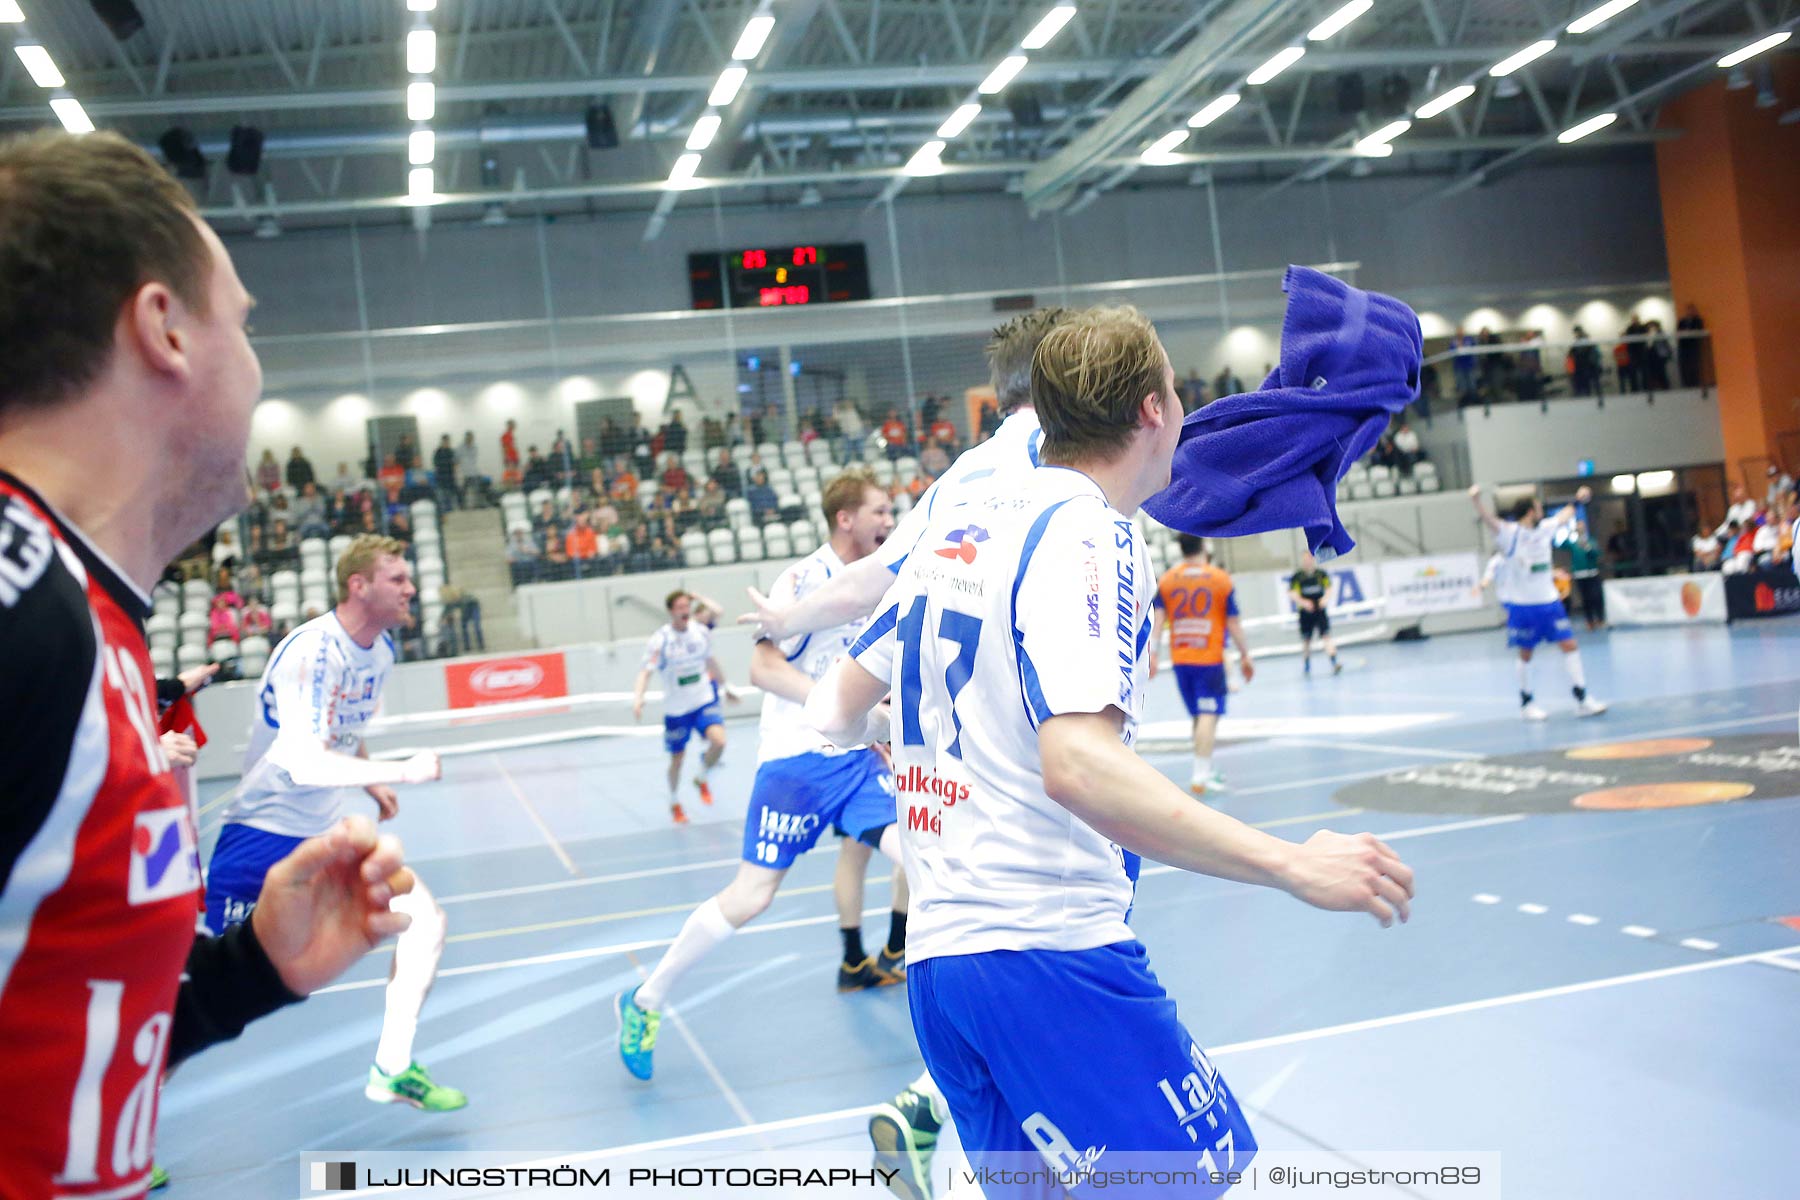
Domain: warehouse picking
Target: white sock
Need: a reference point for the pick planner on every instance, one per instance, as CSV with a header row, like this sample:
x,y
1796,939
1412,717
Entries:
x,y
705,768
927,1087
1524,677
703,932
1202,767
416,955
1577,675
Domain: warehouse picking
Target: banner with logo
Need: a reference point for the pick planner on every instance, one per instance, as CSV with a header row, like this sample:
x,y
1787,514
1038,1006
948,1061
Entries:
x,y
1766,592
1351,587
499,680
1435,583
1666,600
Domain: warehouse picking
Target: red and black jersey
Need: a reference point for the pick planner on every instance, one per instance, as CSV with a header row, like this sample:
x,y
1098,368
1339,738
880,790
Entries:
x,y
98,874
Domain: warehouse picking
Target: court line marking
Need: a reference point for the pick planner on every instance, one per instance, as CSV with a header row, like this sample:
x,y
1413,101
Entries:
x,y
772,927
1375,747
536,818
1583,919
1638,931
1769,957
532,889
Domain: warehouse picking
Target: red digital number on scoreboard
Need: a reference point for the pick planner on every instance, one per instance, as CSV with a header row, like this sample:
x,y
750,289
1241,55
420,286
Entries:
x,y
806,256
756,260
773,297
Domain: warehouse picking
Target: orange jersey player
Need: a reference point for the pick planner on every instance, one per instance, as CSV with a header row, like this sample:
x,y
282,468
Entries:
x,y
1197,602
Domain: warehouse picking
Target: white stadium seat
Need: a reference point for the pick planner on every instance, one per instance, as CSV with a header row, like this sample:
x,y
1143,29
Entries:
x,y
749,544
803,536
693,548
722,546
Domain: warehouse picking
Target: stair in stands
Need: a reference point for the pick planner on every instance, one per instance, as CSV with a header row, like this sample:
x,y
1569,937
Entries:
x,y
477,560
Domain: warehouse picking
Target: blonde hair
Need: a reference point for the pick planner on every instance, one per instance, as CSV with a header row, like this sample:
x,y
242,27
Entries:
x,y
847,491
1089,376
361,557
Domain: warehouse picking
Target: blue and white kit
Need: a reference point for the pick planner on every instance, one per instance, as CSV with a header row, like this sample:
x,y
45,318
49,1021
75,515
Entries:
x,y
1525,584
804,784
1021,604
690,701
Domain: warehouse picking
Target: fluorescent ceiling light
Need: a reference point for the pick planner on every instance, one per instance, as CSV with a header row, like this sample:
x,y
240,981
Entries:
x,y
422,5
1158,151
1367,149
1531,53
10,13
421,183
959,120
1756,48
682,173
726,90
74,118
705,130
1049,27
421,147
1281,61
1448,100
421,52
1342,17
750,42
1576,133
421,101
1387,133
1594,18
37,61
925,160
1002,75
1215,108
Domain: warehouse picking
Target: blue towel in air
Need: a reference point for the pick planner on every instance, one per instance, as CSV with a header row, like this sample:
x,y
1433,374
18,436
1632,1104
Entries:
x,y
1272,458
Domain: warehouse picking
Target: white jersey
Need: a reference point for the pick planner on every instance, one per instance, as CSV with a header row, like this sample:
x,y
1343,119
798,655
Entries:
x,y
978,470
784,732
1017,606
1525,575
681,660
319,685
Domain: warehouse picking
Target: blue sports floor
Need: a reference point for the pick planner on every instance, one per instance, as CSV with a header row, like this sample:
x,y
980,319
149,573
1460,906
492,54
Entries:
x,y
1606,998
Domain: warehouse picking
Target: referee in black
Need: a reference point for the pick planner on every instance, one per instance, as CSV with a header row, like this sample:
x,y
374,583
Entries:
x,y
1311,585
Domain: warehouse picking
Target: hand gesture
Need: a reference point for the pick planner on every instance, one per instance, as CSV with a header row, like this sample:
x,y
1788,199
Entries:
x,y
770,616
179,748
326,905
1583,495
1248,667
195,678
1352,873
385,799
422,767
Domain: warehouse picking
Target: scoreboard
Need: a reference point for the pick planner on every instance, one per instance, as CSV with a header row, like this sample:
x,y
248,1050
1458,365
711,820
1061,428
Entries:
x,y
779,276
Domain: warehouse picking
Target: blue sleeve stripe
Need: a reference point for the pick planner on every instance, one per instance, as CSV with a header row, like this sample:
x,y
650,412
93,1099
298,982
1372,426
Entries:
x,y
1031,447
879,628
1231,608
1143,637
1030,691
801,649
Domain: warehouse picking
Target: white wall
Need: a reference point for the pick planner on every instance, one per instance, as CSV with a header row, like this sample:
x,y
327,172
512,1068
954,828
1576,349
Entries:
x,y
1518,443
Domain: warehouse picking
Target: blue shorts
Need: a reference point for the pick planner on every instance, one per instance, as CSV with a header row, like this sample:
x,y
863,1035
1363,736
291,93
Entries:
x,y
234,878
796,799
1050,1056
1203,689
677,730
1529,624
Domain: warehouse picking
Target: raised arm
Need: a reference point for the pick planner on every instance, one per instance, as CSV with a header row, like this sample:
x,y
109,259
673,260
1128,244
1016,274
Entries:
x,y
1482,510
848,596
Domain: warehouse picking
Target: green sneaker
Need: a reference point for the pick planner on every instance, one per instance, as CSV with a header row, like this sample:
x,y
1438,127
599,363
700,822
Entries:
x,y
637,1033
159,1178
905,1133
412,1086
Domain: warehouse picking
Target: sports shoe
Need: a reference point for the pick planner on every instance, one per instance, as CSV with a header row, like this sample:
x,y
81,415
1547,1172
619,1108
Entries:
x,y
705,791
1337,668
1532,712
159,1178
1589,707
412,1086
637,1033
868,974
905,1133
893,964
1216,783
676,815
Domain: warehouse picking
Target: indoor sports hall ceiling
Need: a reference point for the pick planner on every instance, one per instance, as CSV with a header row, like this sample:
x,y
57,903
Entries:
x,y
841,96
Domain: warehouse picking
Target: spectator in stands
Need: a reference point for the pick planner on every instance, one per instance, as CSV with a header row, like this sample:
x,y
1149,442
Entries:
x,y
1657,353
400,527
643,457
509,446
725,473
624,486
990,419
853,430
299,470
522,556
929,408
675,477
734,433
659,514
1743,508
347,480
581,544
537,471
1227,383
254,621
1406,448
467,610
250,583
1631,357
894,433
638,551
222,586
915,487
310,512
761,497
590,462
809,429
663,554
1385,455
685,510
1779,481
1691,348
1584,364
675,434
225,549
443,475
1529,381
943,433
405,453
711,506
468,471
1192,390
546,526
393,477
222,620
1463,342
934,460
268,472
281,550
